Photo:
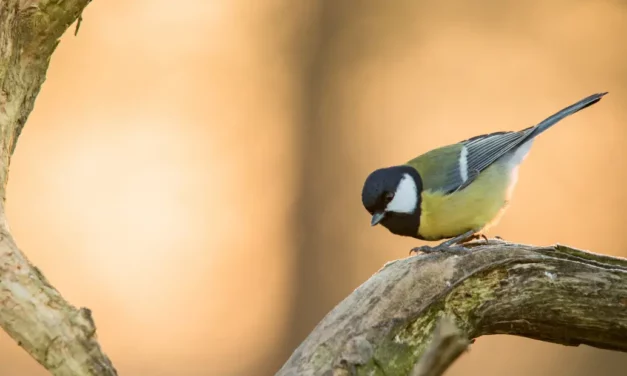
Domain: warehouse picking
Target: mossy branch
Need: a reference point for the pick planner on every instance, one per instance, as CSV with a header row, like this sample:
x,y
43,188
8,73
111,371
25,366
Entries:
x,y
385,327
59,336
447,344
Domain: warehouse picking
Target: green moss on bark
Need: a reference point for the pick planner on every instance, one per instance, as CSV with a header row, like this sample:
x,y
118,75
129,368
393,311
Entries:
x,y
402,349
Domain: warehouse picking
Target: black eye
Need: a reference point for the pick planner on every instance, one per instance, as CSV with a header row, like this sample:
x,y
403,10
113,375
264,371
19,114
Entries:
x,y
388,197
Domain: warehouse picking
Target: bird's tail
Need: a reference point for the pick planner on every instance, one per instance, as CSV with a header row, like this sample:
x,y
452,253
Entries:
x,y
553,119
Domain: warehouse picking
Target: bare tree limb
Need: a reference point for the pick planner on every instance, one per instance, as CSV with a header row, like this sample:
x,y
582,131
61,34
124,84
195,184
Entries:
x,y
556,294
59,336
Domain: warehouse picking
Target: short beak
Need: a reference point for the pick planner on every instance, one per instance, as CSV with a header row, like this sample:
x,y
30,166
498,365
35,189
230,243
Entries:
x,y
376,218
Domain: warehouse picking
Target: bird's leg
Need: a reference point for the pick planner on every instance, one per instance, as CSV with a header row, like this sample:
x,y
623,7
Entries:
x,y
451,245
460,239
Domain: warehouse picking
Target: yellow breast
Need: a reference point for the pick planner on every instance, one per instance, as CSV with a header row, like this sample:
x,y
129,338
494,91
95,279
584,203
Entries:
x,y
472,208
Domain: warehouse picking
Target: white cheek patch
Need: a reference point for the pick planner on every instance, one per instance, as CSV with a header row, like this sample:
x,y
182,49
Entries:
x,y
406,196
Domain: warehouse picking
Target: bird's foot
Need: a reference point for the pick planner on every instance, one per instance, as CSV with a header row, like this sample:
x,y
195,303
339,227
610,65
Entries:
x,y
475,236
483,237
453,245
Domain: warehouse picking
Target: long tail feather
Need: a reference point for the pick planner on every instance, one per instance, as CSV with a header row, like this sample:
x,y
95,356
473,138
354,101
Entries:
x,y
553,119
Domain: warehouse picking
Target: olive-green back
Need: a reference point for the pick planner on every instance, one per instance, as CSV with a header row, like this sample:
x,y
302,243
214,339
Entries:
x,y
438,168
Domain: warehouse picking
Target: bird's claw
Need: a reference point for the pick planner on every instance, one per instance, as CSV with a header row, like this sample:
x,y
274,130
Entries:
x,y
454,245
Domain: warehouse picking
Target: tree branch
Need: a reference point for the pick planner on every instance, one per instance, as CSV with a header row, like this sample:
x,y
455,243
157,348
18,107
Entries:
x,y
447,345
556,294
59,336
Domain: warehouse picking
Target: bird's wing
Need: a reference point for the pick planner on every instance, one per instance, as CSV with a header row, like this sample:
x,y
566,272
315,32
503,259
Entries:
x,y
451,168
479,152
454,167
439,168
482,151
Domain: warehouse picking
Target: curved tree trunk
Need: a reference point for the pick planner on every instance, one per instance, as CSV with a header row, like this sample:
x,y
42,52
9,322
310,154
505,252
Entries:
x,y
59,336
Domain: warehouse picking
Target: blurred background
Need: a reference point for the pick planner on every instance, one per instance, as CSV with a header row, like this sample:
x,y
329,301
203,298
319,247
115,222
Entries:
x,y
192,170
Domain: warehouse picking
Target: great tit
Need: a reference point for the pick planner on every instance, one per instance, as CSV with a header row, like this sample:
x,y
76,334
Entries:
x,y
454,191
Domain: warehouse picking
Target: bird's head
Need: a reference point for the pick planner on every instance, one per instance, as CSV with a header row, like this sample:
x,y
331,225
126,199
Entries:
x,y
392,196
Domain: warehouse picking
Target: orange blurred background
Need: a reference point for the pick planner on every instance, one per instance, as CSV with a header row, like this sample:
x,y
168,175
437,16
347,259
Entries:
x,y
192,171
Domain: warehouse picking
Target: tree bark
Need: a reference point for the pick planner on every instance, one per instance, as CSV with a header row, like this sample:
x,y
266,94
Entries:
x,y
59,336
385,327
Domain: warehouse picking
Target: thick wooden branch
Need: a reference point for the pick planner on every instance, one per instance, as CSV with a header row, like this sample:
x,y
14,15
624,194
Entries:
x,y
59,336
556,294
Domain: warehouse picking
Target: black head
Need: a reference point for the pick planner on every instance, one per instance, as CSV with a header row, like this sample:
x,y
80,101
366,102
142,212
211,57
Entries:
x,y
392,196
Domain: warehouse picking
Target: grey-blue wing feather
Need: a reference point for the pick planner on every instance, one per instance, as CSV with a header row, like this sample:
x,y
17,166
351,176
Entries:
x,y
484,150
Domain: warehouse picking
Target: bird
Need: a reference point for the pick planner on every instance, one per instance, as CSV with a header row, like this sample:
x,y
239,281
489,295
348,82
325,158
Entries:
x,y
455,191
